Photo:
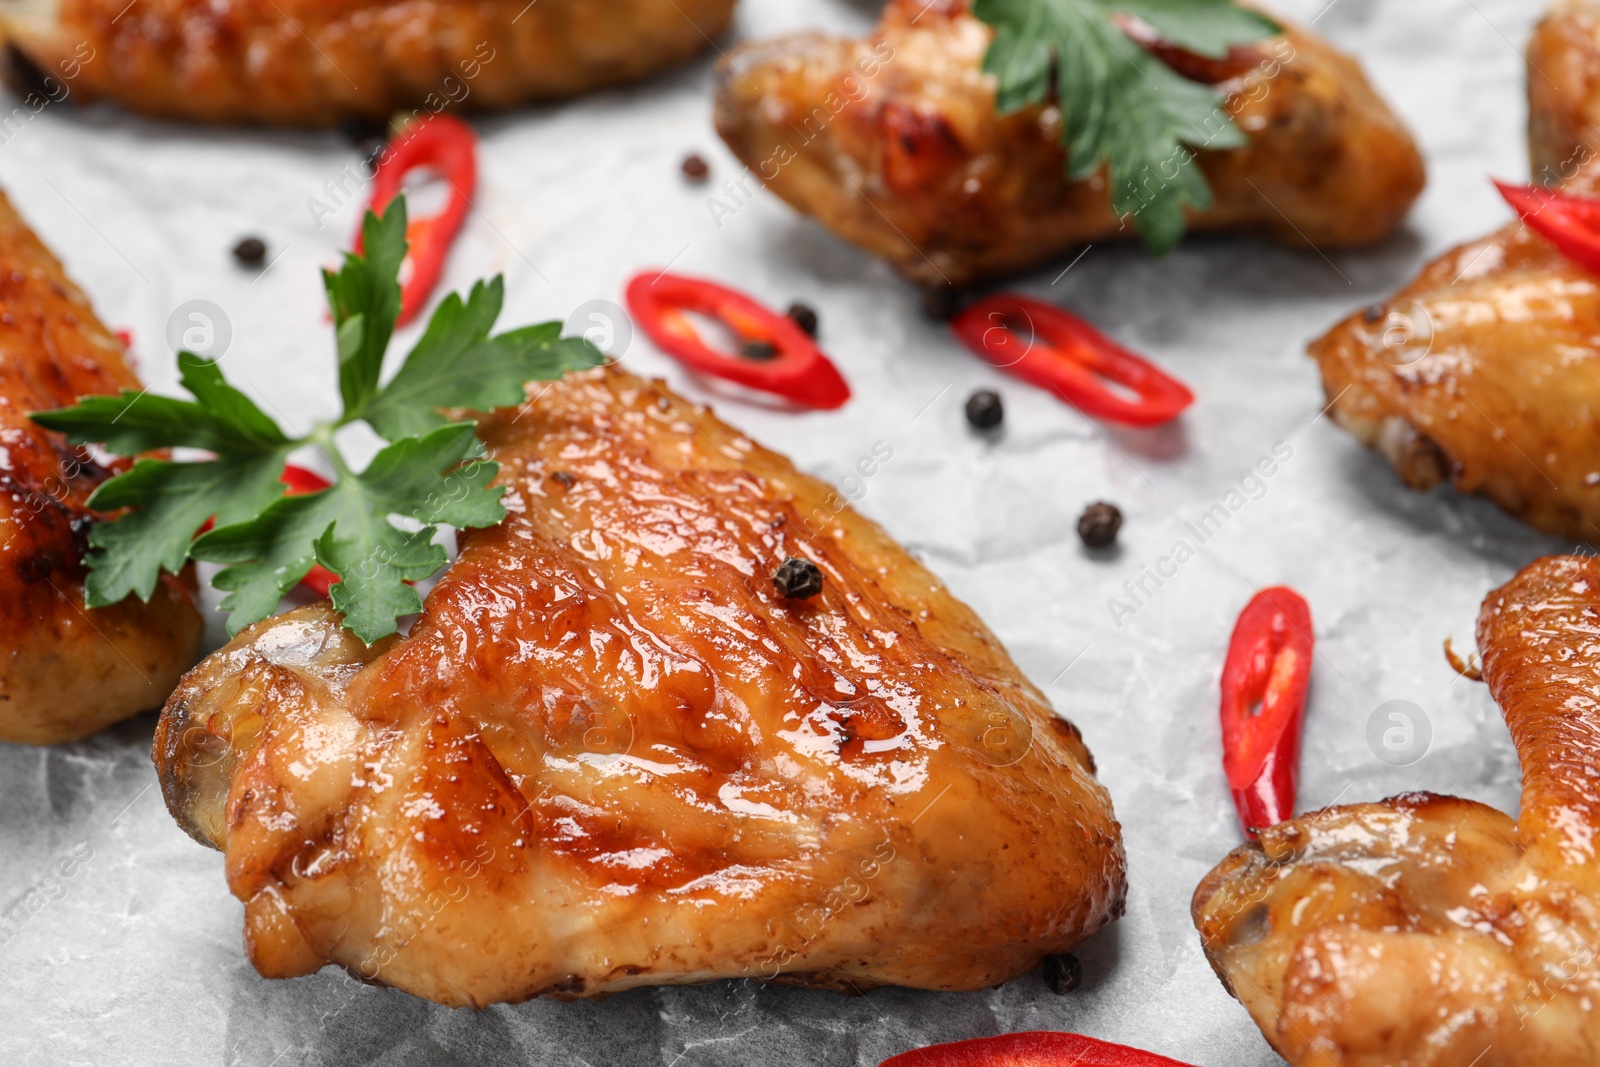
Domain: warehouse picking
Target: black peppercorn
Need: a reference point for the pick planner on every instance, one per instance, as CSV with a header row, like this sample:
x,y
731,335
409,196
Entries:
x,y
804,317
1063,973
1373,313
695,168
1098,525
762,350
252,251
797,578
984,410
940,303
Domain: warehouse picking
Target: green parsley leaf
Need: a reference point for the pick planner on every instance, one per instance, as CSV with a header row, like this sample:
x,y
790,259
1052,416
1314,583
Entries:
x,y
458,365
1121,107
270,552
348,528
375,529
220,419
364,297
173,500
1206,27
373,598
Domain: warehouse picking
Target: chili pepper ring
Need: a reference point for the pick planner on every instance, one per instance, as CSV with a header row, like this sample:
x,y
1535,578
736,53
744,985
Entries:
x,y
448,146
1264,684
1056,350
796,368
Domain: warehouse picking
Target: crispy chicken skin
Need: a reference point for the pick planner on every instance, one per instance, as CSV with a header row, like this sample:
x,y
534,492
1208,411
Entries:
x,y
609,755
315,62
65,671
894,143
1485,371
1428,931
1564,90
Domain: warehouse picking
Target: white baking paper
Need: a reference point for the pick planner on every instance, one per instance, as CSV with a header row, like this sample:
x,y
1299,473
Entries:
x,y
119,941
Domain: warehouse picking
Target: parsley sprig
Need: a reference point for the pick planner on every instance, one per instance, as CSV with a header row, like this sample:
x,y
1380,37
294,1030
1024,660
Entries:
x,y
1120,105
374,527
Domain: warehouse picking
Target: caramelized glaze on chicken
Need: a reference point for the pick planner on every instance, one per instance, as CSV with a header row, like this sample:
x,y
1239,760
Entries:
x,y
894,143
65,671
1484,371
315,62
1564,90
609,754
1427,931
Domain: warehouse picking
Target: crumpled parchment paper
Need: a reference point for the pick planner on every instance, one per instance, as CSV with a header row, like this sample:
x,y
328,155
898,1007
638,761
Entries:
x,y
119,942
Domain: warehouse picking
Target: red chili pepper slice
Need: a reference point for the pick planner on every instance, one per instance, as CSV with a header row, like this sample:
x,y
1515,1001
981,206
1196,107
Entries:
x,y
1055,350
798,371
1571,223
447,146
1264,683
1036,1048
300,481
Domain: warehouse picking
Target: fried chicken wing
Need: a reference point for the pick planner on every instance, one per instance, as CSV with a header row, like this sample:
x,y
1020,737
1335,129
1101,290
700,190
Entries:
x,y
609,754
1429,931
894,143
1485,371
65,671
316,62
1564,90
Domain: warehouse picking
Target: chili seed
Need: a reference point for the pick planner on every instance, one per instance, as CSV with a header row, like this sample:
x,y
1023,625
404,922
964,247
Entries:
x,y
985,410
1063,973
804,317
1098,525
252,251
797,578
359,130
940,302
762,350
695,168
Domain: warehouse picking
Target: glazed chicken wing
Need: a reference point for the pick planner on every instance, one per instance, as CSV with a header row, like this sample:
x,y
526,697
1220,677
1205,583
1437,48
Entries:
x,y
1485,370
610,754
1564,90
1428,931
65,671
315,62
895,144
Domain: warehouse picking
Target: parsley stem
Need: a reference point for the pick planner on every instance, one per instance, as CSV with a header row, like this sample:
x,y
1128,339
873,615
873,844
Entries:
x,y
321,438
